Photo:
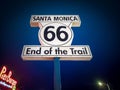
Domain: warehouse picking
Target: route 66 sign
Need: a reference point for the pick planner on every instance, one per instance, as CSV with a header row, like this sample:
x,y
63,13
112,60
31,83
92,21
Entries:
x,y
55,36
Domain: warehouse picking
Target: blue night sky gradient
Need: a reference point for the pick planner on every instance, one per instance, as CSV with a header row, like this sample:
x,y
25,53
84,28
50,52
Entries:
x,y
99,30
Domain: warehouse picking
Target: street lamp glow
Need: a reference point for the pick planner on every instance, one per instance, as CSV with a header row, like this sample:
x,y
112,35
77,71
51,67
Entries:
x,y
100,83
103,84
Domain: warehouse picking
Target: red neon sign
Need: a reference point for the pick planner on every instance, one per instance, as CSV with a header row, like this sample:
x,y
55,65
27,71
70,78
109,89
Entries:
x,y
7,77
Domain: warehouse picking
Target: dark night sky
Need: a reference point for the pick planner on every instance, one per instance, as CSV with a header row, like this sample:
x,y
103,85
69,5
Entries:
x,y
99,29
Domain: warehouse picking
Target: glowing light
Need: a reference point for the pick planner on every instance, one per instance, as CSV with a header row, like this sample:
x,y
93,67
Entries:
x,y
100,83
14,88
7,78
4,84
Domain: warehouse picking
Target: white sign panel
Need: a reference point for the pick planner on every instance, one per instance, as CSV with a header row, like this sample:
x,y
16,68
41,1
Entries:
x,y
55,36
37,52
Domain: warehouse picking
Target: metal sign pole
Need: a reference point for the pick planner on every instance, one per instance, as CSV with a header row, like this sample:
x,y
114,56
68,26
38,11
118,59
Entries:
x,y
57,76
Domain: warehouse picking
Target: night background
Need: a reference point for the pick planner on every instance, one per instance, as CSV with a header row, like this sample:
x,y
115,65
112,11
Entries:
x,y
99,29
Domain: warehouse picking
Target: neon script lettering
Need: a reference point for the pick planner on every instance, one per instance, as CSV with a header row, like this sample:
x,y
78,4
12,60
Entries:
x,y
7,78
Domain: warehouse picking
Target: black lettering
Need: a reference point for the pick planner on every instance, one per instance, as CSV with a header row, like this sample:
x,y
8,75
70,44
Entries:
x,y
28,51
